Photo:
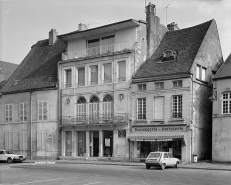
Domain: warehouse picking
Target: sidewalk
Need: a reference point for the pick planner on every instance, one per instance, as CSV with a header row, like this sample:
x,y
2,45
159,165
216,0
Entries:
x,y
200,165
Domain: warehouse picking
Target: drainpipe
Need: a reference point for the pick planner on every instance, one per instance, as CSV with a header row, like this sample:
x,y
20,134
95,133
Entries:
x,y
31,124
192,125
59,91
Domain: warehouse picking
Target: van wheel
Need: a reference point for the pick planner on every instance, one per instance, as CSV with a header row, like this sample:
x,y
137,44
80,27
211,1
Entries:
x,y
162,166
9,160
147,166
176,166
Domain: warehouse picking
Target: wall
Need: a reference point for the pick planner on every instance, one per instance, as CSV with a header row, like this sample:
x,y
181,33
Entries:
x,y
43,128
221,142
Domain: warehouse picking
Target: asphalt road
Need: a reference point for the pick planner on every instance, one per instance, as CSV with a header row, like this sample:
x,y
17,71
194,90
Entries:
x,y
90,174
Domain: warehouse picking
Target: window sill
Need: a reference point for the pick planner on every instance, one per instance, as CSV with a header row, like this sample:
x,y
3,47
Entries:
x,y
221,115
176,119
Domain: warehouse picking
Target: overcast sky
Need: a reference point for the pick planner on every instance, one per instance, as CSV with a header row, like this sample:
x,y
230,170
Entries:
x,y
24,22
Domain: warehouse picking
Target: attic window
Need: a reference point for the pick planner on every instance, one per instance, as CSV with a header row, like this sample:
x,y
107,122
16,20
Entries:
x,y
16,82
169,55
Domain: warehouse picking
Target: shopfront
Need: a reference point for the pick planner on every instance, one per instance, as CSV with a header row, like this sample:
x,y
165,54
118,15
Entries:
x,y
167,138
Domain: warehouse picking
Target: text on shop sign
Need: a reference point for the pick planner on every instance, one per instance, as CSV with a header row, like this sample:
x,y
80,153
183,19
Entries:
x,y
159,129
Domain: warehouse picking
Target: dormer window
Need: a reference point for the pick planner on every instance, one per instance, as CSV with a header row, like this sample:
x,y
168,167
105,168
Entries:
x,y
169,55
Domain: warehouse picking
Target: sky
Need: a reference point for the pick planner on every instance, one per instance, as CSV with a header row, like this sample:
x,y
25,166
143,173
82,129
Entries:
x,y
24,22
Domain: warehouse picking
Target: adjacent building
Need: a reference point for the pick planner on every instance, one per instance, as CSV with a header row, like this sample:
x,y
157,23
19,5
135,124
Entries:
x,y
6,70
221,147
170,98
29,102
95,76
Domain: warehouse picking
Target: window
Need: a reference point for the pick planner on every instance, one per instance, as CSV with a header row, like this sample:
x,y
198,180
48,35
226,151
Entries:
x,y
22,140
81,76
142,87
177,106
8,140
8,113
169,55
93,47
23,108
94,108
159,85
107,106
141,108
94,74
107,73
177,83
81,109
226,103
42,111
201,73
68,78
121,71
108,44
159,108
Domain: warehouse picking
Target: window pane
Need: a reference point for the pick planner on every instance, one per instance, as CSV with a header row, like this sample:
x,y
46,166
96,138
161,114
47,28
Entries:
x,y
68,78
122,70
107,73
94,74
203,70
198,72
141,108
81,76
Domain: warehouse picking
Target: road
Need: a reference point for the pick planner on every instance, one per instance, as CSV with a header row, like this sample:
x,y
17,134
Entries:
x,y
91,174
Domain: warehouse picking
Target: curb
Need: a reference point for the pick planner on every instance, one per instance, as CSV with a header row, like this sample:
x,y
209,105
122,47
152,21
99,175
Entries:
x,y
44,162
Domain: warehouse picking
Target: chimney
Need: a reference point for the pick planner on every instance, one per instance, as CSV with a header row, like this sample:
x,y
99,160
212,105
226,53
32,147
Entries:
x,y
2,78
82,27
173,26
52,36
152,29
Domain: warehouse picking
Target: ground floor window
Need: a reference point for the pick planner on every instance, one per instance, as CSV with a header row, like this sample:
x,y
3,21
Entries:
x,y
173,146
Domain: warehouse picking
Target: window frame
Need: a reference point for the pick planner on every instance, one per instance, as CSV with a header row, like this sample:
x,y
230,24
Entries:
x,y
12,113
142,87
103,72
77,76
228,103
65,78
117,76
178,106
47,113
23,110
143,107
158,85
90,82
179,83
201,73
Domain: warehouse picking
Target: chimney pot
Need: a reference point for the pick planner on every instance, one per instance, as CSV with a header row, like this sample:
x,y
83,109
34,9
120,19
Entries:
x,y
82,27
173,26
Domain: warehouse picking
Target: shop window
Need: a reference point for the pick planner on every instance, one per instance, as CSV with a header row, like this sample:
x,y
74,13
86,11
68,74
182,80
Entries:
x,y
141,108
107,107
177,106
226,103
94,108
81,109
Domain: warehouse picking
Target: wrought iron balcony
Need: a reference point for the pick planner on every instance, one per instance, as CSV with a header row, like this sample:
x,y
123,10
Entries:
x,y
99,50
95,119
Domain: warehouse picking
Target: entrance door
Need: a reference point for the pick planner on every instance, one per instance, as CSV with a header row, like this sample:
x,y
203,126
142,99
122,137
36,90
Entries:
x,y
68,143
81,143
95,143
107,143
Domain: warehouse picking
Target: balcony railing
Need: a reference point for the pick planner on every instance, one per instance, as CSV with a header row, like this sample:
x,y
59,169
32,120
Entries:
x,y
105,49
95,119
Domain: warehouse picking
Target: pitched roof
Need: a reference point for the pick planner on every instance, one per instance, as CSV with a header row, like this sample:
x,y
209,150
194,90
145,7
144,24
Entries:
x,y
38,69
186,42
7,69
225,69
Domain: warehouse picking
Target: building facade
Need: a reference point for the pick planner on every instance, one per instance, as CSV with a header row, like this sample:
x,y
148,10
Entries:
x,y
170,95
29,103
221,150
95,76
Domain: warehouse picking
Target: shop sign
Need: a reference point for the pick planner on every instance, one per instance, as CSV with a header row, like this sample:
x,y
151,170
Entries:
x,y
159,129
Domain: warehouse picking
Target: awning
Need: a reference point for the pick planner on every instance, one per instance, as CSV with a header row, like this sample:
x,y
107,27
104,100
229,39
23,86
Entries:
x,y
150,136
